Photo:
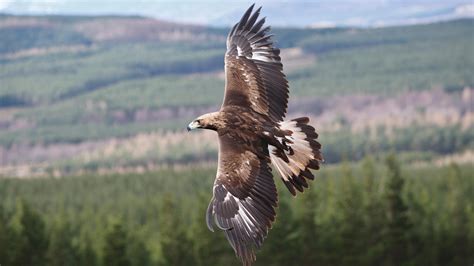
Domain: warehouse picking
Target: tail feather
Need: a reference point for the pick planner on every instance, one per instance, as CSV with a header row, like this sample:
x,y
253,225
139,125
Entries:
x,y
301,153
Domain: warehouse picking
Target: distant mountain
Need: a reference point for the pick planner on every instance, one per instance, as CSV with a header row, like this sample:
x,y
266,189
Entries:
x,y
21,33
302,13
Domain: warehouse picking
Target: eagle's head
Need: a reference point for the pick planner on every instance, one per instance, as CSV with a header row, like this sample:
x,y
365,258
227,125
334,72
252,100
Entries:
x,y
206,121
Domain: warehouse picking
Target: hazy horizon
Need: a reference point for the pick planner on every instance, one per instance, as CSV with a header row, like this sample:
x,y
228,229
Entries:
x,y
298,13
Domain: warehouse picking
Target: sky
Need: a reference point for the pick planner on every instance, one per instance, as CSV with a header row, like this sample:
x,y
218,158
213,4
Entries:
x,y
301,13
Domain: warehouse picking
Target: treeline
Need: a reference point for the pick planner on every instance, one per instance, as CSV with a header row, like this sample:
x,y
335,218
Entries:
x,y
426,140
19,38
417,143
373,213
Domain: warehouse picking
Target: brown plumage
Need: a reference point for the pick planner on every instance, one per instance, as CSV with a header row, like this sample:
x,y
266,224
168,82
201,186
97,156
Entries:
x,y
252,134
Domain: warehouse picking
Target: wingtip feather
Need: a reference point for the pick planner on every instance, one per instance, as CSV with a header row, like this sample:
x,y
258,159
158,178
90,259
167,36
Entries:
x,y
245,17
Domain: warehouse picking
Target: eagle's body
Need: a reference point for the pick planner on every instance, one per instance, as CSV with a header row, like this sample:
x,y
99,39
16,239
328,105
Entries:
x,y
252,135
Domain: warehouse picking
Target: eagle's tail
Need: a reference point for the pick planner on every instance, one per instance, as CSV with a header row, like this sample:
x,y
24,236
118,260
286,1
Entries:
x,y
299,151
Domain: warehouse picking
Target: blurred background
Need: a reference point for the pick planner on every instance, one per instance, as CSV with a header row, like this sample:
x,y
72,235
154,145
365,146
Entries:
x,y
96,167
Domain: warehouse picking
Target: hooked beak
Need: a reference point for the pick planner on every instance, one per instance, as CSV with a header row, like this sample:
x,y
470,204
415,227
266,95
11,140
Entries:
x,y
193,125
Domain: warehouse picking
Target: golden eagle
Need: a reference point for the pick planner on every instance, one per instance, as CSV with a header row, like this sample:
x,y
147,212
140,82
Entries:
x,y
252,134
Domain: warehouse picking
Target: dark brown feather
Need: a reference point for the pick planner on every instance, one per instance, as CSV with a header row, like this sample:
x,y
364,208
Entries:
x,y
245,195
254,73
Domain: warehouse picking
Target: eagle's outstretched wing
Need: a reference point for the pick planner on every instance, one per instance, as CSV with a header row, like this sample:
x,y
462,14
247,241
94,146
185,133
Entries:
x,y
245,196
254,77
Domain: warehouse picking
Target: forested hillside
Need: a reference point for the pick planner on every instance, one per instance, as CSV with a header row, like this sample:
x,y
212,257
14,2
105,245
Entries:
x,y
70,86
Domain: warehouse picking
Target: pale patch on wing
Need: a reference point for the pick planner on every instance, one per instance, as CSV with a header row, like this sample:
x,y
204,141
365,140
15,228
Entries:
x,y
302,152
262,57
300,155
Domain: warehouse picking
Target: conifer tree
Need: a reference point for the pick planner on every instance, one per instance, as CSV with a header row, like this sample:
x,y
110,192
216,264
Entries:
x,y
29,239
397,226
280,244
351,206
115,248
457,226
61,250
373,218
175,243
368,171
306,229
138,252
4,233
87,255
